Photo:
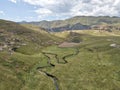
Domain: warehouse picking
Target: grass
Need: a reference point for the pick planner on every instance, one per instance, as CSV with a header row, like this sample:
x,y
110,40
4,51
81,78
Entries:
x,y
57,50
64,34
97,70
21,69
95,67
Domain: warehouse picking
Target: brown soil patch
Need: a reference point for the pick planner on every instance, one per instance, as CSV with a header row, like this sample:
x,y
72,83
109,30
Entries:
x,y
68,44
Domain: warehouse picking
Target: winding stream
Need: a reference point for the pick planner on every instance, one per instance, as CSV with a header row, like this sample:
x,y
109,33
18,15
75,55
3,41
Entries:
x,y
54,78
49,61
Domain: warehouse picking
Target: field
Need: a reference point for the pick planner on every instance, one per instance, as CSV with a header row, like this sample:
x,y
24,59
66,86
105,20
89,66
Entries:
x,y
94,64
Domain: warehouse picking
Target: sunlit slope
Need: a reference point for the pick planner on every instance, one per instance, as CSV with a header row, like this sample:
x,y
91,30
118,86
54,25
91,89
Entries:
x,y
18,62
25,40
41,30
64,34
95,67
91,65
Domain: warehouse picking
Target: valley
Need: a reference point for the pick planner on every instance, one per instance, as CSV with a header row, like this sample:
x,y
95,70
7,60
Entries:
x,y
32,58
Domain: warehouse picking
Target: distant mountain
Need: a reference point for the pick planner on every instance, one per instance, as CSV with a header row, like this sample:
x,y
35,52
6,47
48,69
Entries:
x,y
76,23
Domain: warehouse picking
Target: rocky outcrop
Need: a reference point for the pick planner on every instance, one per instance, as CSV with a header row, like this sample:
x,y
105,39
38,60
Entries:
x,y
76,23
76,26
1,48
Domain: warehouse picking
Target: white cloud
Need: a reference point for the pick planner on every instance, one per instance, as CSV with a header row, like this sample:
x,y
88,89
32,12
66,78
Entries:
x,y
41,2
13,1
65,8
43,11
2,13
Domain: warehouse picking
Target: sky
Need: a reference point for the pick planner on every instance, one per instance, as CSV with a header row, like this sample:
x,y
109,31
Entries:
x,y
37,10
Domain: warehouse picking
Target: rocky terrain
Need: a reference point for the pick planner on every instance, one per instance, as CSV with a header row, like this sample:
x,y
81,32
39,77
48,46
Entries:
x,y
80,23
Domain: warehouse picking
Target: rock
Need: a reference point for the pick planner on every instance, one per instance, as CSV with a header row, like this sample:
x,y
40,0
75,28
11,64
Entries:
x,y
24,44
16,40
113,45
1,48
5,46
18,46
12,43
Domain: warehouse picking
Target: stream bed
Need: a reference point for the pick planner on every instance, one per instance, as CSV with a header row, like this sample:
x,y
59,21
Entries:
x,y
54,78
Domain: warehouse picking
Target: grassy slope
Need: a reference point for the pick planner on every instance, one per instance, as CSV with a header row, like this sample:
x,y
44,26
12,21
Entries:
x,y
64,34
41,30
33,38
96,67
17,68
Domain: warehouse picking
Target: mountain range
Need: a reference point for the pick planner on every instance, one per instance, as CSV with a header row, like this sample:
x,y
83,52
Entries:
x,y
77,23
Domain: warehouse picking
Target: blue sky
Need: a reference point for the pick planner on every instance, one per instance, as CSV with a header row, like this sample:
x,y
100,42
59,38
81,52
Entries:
x,y
17,11
37,10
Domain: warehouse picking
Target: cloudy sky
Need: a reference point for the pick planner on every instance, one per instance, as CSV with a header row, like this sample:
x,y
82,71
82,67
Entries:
x,y
36,10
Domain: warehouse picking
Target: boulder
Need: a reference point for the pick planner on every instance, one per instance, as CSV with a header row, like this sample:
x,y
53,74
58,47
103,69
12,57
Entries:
x,y
113,45
1,48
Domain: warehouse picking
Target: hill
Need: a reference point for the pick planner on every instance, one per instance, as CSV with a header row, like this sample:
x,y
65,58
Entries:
x,y
33,59
20,52
78,23
17,37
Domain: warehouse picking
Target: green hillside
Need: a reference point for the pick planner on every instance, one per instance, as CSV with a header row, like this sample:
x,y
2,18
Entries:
x,y
33,59
25,40
18,45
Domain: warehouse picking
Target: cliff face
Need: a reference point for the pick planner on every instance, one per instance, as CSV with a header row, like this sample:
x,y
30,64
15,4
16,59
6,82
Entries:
x,y
77,26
